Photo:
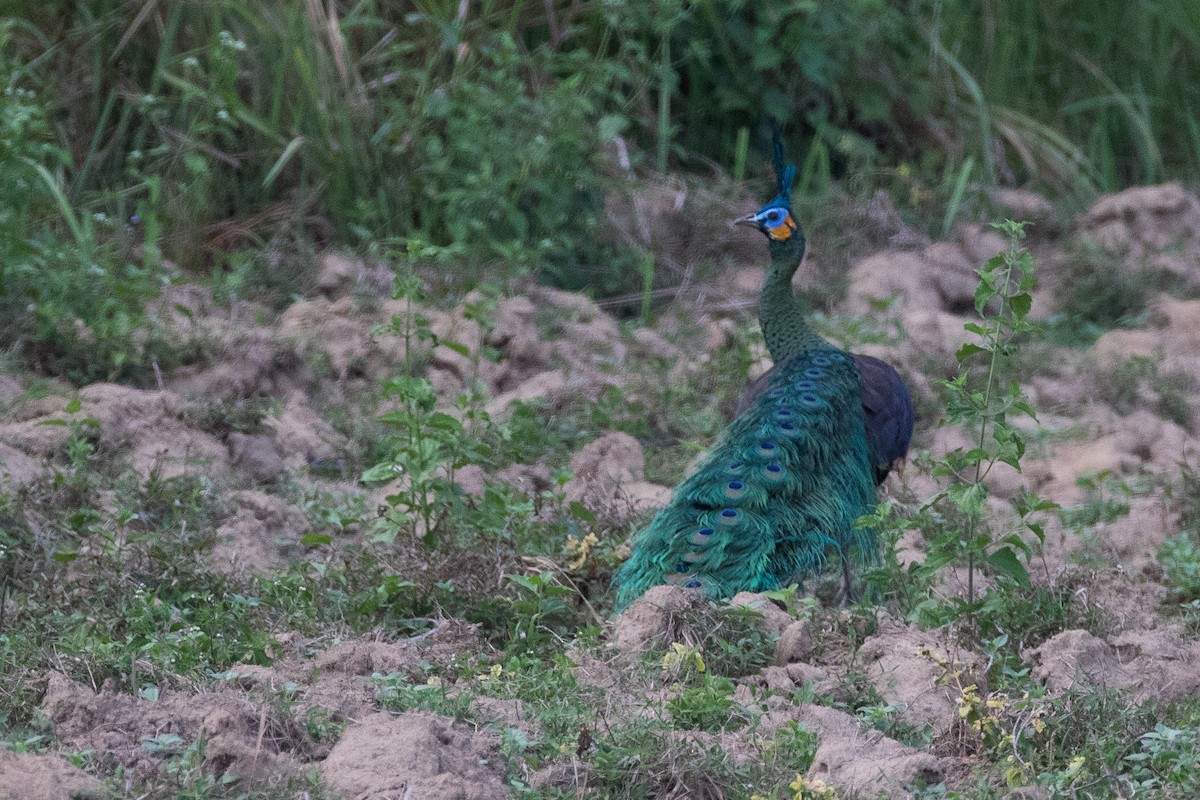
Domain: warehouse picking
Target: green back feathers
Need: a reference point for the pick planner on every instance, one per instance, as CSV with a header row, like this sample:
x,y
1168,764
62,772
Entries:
x,y
775,499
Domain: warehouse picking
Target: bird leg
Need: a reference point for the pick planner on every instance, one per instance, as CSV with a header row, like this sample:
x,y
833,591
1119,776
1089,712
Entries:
x,y
846,595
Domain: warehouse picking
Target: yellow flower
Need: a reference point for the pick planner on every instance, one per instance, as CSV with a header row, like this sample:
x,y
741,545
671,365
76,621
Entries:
x,y
492,674
580,549
679,655
812,789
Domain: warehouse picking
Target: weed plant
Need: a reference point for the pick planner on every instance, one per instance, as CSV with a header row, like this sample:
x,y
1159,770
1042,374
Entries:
x,y
71,295
958,530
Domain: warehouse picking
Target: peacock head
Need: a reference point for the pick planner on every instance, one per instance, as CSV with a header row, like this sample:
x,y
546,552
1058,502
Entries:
x,y
774,219
784,235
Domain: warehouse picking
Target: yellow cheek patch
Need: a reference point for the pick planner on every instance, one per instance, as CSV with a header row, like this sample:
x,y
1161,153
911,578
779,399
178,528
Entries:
x,y
781,233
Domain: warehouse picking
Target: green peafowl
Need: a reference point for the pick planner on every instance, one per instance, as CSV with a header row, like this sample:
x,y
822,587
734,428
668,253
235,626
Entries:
x,y
779,493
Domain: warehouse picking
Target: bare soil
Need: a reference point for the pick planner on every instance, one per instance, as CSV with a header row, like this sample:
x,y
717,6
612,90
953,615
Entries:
x,y
328,346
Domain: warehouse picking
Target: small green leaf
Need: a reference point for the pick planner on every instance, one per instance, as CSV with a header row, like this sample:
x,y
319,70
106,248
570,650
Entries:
x,y
969,497
457,347
1020,304
195,163
525,582
282,161
610,126
1005,562
581,512
316,539
444,422
1026,409
968,350
382,472
975,455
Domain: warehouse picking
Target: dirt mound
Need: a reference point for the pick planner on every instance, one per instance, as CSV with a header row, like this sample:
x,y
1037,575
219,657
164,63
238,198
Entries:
x,y
255,456
1172,342
254,363
1157,664
10,390
147,425
155,432
548,344
864,762
189,311
909,666
363,343
1146,220
302,437
1138,443
771,619
610,477
931,335
18,469
241,737
557,346
24,776
515,334
261,534
340,275
342,334
338,680
941,277
414,755
243,357
1023,204
653,618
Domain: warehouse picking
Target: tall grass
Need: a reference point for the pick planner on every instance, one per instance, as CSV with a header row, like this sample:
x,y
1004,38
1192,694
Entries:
x,y
474,131
1113,87
353,121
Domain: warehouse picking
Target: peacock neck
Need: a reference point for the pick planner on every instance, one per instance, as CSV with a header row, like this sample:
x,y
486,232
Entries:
x,y
784,316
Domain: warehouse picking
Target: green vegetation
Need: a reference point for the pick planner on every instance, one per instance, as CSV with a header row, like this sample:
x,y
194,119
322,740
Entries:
x,y
957,529
473,147
1180,555
226,138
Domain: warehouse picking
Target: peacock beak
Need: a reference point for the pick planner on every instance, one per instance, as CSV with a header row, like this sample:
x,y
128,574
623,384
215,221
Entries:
x,y
749,219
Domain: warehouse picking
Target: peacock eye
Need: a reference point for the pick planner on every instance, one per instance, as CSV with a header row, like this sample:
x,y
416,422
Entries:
x,y
774,217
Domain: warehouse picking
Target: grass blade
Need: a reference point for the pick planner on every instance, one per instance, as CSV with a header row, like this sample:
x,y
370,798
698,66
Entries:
x,y
960,186
64,205
282,161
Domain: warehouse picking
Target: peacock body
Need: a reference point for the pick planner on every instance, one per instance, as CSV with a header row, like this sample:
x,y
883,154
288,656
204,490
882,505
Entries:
x,y
776,498
887,411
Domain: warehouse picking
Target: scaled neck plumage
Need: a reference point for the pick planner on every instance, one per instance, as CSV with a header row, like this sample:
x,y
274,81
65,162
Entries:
x,y
783,316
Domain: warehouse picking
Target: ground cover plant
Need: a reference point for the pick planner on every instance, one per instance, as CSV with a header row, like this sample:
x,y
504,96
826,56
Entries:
x,y
315,466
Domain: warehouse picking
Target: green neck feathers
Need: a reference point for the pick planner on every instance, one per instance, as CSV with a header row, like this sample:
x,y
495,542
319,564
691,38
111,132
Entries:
x,y
782,315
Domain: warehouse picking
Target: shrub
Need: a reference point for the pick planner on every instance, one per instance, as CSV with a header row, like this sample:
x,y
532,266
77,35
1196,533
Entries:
x,y
68,296
1180,557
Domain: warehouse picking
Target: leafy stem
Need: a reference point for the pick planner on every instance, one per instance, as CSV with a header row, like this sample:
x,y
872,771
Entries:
x,y
982,399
